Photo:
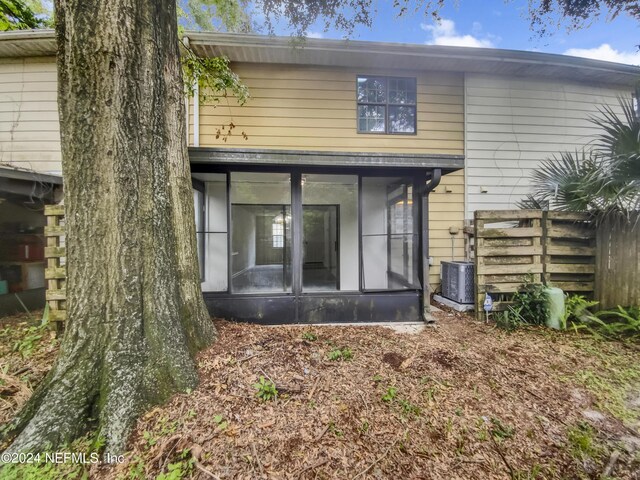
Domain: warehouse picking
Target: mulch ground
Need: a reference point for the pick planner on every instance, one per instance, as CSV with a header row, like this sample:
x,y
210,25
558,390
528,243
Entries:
x,y
458,400
461,400
27,352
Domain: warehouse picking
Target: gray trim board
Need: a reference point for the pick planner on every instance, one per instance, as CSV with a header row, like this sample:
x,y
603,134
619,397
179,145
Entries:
x,y
31,176
233,156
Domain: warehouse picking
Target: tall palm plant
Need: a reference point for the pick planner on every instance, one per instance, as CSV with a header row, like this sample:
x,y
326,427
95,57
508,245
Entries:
x,y
602,178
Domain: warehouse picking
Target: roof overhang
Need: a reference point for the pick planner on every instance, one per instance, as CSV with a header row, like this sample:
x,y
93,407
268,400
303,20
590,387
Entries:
x,y
398,56
18,173
21,183
28,43
359,54
321,159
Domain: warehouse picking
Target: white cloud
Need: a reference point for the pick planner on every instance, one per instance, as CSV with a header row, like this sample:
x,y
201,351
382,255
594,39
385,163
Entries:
x,y
445,33
606,52
315,35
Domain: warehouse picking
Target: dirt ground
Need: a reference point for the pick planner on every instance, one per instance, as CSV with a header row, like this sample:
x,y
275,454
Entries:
x,y
458,400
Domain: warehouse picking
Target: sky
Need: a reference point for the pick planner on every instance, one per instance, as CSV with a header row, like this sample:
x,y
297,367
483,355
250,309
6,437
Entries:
x,y
500,24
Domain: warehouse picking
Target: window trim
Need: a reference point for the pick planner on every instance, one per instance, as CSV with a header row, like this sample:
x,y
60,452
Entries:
x,y
386,105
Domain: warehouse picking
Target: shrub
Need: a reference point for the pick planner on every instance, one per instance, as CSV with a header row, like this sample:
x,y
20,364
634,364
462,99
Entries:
x,y
530,305
620,323
576,309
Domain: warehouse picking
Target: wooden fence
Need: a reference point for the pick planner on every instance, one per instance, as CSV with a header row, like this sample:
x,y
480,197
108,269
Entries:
x,y
55,272
618,263
515,246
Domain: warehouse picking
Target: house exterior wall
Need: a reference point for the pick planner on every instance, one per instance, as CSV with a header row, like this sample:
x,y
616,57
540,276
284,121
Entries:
x,y
512,124
29,126
302,108
314,108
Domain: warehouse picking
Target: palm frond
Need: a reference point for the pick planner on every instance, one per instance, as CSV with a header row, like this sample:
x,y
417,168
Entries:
x,y
603,178
532,203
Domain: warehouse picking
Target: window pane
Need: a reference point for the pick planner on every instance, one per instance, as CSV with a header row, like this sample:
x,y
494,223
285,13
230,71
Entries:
x,y
389,241
330,232
402,119
371,118
402,90
212,232
261,232
372,90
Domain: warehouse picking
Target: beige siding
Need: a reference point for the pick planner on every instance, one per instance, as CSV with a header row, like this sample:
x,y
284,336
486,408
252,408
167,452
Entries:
x,y
29,127
446,209
514,123
315,109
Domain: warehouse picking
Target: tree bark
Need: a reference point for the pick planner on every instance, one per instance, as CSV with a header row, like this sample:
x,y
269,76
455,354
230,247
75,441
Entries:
x,y
136,316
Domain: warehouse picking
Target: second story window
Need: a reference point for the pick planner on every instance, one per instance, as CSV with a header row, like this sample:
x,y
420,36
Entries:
x,y
386,105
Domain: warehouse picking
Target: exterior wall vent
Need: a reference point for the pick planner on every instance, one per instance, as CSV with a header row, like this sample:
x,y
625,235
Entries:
x,y
457,281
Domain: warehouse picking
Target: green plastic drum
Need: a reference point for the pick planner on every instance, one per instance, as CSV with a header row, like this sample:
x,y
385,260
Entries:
x,y
555,298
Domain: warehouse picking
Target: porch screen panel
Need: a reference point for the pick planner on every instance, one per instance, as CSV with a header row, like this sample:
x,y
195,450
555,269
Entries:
x,y
389,237
330,250
198,208
212,231
261,232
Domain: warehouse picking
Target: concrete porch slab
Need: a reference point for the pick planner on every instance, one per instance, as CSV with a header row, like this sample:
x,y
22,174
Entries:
x,y
459,307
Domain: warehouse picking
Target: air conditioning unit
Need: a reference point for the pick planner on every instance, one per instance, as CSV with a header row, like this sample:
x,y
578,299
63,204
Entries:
x,y
457,281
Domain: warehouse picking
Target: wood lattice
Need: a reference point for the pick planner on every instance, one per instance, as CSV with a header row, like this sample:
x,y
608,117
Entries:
x,y
56,271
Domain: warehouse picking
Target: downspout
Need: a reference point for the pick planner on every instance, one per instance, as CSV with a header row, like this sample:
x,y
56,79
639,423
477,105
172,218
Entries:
x,y
196,114
429,186
464,134
186,109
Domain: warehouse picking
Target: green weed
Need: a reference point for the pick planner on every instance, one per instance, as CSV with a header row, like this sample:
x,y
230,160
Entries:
x,y
266,390
182,468
499,430
29,341
340,354
335,430
508,320
611,389
408,408
309,336
220,422
364,427
583,442
576,309
390,394
150,438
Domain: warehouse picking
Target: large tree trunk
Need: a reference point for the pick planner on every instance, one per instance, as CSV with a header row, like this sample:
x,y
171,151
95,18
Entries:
x,y
135,311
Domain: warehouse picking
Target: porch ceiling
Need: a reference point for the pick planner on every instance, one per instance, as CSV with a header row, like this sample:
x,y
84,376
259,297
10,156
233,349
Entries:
x,y
267,157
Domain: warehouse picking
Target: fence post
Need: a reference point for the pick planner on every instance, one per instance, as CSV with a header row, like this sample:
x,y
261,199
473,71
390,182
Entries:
x,y
478,261
546,258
